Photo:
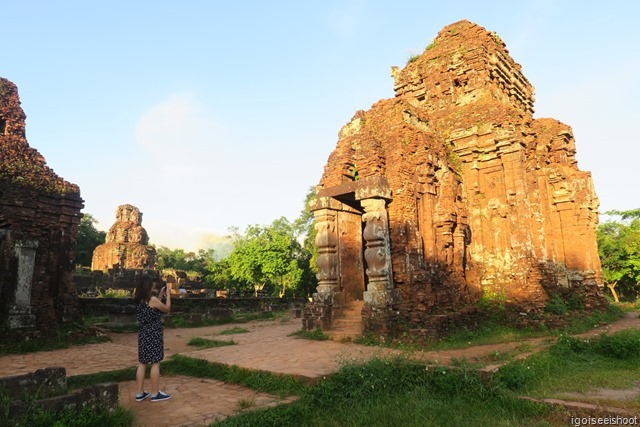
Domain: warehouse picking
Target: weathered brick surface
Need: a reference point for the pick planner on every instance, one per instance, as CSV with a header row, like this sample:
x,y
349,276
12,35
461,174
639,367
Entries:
x,y
482,199
126,244
46,389
45,382
39,217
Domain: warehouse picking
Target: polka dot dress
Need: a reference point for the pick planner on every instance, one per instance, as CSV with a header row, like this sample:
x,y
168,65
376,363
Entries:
x,y
150,337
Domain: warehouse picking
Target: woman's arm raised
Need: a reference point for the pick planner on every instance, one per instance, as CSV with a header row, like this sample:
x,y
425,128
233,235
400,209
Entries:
x,y
159,305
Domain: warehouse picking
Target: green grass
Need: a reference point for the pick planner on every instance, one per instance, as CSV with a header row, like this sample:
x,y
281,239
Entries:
x,y
120,417
390,392
203,343
235,330
79,381
495,331
629,306
489,333
64,338
394,392
582,324
316,334
35,415
577,365
181,322
281,385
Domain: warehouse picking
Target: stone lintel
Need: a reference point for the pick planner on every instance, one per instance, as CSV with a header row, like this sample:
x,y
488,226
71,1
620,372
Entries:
x,y
27,244
326,202
376,186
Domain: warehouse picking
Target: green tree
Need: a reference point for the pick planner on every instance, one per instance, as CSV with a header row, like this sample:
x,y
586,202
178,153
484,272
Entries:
x,y
305,226
619,250
199,263
87,239
267,255
219,276
176,259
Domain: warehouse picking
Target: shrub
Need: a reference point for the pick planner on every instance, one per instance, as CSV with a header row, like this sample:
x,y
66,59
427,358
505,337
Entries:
x,y
317,335
556,305
515,375
622,345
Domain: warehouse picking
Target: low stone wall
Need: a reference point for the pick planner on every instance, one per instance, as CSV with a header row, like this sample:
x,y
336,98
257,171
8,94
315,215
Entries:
x,y
47,389
43,382
86,281
121,311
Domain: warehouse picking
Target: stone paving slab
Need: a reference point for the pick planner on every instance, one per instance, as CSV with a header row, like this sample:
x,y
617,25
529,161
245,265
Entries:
x,y
273,349
84,359
194,402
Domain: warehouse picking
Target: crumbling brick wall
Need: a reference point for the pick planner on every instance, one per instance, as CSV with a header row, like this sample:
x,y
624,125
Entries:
x,y
39,217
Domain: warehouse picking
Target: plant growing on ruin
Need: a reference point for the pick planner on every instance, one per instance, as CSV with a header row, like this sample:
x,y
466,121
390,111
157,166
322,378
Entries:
x,y
413,58
556,305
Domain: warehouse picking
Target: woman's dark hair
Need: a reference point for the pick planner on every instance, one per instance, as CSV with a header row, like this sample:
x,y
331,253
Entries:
x,y
143,290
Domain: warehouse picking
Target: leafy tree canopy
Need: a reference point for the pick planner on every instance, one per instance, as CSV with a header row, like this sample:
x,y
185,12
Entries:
x,y
268,255
619,250
87,239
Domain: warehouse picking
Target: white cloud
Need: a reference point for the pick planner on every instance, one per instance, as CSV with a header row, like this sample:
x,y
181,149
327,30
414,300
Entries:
x,y
180,136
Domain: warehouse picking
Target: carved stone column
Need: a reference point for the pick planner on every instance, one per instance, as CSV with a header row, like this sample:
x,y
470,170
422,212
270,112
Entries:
x,y
377,254
327,244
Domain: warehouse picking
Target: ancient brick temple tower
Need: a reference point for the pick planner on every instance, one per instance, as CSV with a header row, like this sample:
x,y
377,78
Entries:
x,y
126,244
39,217
451,191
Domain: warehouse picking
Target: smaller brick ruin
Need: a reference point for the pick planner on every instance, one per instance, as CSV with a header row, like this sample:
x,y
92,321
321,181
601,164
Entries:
x,y
452,191
127,244
39,217
46,389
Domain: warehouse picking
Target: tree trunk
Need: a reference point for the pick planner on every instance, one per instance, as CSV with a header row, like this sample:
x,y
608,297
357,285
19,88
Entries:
x,y
612,287
257,288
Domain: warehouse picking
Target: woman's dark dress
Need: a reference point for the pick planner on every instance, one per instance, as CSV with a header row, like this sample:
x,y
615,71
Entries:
x,y
150,337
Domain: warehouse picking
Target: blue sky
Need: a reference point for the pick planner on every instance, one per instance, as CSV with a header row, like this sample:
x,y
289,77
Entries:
x,y
210,114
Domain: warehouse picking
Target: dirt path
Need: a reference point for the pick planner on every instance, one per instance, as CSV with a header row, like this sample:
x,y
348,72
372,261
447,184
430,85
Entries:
x,y
267,346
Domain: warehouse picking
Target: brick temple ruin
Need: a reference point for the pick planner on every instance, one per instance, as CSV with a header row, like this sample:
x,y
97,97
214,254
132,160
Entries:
x,y
126,245
452,191
39,217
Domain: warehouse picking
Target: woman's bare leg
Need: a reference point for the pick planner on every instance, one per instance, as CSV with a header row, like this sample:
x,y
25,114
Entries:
x,y
140,373
155,378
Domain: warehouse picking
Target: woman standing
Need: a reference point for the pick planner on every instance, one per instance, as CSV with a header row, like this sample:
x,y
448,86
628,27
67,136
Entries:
x,y
149,309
